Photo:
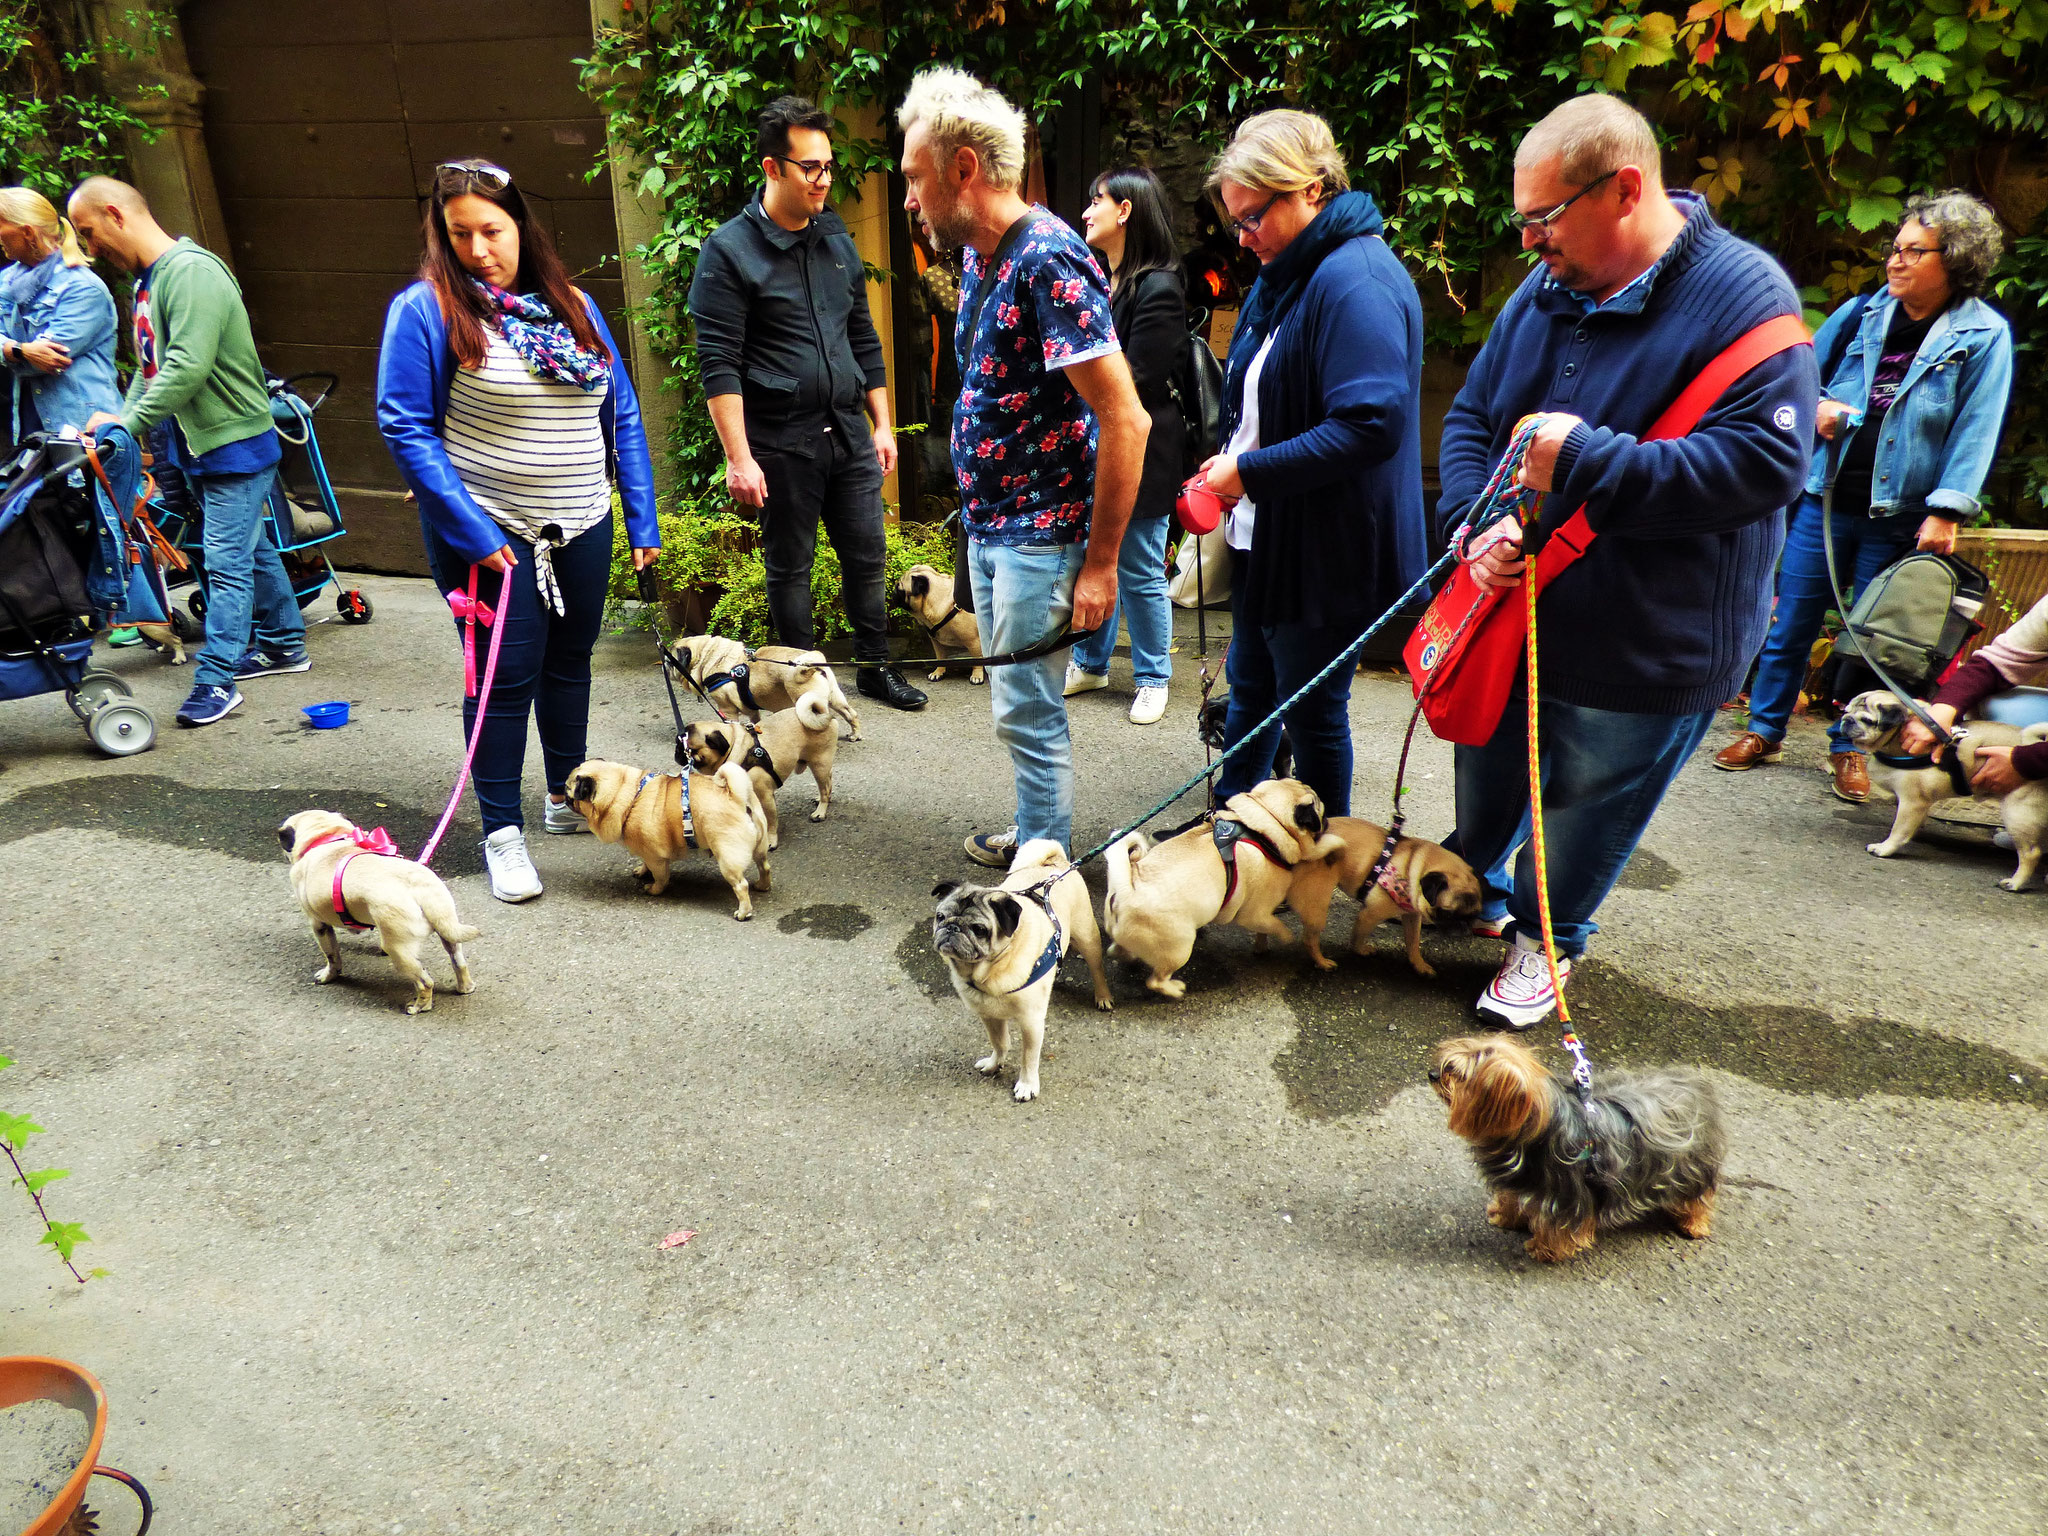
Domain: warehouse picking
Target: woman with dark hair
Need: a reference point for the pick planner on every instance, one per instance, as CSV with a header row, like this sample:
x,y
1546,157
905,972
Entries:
x,y
1130,222
499,393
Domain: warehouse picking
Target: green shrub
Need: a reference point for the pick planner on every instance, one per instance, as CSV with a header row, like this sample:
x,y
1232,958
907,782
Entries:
x,y
710,548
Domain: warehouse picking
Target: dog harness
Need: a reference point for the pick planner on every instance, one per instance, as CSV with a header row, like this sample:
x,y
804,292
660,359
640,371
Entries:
x,y
682,794
1383,875
1229,832
757,755
376,841
737,676
932,630
1049,957
1958,776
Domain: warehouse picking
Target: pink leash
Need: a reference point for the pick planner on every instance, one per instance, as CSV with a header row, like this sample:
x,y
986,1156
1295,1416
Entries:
x,y
470,611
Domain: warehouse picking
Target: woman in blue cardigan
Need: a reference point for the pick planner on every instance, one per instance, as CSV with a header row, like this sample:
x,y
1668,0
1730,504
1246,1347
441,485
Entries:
x,y
1322,443
500,394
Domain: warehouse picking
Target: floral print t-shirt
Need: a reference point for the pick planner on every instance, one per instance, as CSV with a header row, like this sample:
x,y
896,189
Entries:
x,y
1023,438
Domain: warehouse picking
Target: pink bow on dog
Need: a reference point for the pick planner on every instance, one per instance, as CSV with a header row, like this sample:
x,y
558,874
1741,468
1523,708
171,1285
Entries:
x,y
472,611
374,840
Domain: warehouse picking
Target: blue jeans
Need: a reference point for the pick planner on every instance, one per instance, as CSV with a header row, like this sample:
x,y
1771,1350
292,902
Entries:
x,y
1141,602
1864,545
543,665
1266,664
1604,775
1022,593
245,580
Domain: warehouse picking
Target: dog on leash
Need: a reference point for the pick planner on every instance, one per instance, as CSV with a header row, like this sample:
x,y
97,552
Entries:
x,y
404,902
1004,947
1423,882
1563,1168
928,594
1160,895
1874,720
753,683
661,817
776,750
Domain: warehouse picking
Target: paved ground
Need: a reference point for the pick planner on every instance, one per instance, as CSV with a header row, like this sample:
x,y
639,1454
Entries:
x,y
380,1274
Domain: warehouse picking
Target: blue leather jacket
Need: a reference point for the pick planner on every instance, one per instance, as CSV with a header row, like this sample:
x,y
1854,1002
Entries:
x,y
64,304
1942,429
414,370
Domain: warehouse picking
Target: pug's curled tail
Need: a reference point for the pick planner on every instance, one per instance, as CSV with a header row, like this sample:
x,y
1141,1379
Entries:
x,y
814,706
438,908
1117,863
2034,733
741,786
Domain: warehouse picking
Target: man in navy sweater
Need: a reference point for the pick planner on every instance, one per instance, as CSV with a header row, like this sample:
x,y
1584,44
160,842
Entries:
x,y
1645,636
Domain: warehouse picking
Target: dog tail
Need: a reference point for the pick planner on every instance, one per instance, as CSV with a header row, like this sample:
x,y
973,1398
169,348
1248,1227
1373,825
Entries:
x,y
437,906
741,786
814,706
2034,733
1121,859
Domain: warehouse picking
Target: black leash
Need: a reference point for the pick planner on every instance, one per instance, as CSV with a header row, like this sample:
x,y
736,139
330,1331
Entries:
x,y
1058,641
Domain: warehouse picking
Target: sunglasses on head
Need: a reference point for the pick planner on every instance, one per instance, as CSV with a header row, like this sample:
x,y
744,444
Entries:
x,y
452,178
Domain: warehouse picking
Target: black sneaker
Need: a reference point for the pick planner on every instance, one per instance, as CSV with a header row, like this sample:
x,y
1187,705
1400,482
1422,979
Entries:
x,y
207,703
886,683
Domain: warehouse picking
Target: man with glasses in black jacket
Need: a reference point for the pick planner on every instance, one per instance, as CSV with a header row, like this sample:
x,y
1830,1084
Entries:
x,y
789,356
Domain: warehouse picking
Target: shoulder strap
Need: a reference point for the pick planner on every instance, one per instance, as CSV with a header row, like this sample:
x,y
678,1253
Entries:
x,y
1011,235
1759,344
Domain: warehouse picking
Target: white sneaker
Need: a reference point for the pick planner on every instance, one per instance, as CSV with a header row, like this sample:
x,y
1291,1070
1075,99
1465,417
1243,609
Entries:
x,y
513,877
1079,681
1520,996
561,819
1149,704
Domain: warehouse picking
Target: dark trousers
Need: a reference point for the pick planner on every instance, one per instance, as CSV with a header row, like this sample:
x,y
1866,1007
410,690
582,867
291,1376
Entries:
x,y
1267,663
841,486
543,664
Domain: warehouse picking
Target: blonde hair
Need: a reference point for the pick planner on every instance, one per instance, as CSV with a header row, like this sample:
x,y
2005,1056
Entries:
x,y
1592,135
1282,151
959,112
24,205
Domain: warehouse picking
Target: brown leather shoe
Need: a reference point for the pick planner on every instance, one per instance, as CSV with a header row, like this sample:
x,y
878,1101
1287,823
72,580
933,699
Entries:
x,y
1746,751
1852,776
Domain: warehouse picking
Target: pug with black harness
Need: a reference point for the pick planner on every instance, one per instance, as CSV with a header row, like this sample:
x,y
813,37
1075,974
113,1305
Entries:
x,y
929,595
772,752
1004,947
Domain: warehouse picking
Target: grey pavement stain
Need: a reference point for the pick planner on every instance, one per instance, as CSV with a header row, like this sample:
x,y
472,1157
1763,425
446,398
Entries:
x,y
1366,1030
1647,871
921,963
826,922
239,822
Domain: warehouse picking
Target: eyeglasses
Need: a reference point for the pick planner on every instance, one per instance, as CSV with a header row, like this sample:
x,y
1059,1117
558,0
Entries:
x,y
452,178
816,172
1249,224
1520,222
1911,255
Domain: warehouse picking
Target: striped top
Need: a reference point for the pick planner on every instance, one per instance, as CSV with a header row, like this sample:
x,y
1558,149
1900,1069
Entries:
x,y
529,450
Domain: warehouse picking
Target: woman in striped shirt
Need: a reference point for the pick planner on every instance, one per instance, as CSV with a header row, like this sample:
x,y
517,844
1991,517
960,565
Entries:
x,y
500,394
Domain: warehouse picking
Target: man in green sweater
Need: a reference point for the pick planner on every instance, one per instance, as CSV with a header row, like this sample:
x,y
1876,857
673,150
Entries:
x,y
197,371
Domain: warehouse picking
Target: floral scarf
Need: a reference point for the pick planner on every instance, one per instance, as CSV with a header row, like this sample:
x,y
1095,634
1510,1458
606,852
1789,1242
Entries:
x,y
542,341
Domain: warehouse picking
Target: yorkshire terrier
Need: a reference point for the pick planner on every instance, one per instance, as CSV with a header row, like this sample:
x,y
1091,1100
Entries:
x,y
1561,1167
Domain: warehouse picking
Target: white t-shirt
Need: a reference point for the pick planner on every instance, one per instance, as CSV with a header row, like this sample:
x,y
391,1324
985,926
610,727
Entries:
x,y
1237,527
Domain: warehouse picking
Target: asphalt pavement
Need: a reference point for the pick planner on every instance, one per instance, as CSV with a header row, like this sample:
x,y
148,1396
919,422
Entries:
x,y
373,1273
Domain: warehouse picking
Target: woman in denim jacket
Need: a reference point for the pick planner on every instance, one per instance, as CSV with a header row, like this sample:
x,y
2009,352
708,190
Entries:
x,y
1911,413
56,322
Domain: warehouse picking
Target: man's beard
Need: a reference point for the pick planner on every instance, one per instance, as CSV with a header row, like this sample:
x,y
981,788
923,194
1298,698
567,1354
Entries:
x,y
1567,273
948,229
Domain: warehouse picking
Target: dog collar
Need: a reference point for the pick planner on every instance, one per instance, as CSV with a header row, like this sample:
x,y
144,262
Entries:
x,y
952,613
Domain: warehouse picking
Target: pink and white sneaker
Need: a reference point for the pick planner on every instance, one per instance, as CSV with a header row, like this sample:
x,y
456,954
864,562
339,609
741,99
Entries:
x,y
1520,996
1491,927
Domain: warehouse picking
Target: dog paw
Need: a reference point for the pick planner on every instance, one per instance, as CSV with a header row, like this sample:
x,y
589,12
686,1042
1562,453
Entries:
x,y
818,814
935,675
1172,987
465,986
1324,962
420,1005
1024,1092
743,915
1882,850
978,677
2012,883
988,1065
642,872
325,974
1106,1003
1424,968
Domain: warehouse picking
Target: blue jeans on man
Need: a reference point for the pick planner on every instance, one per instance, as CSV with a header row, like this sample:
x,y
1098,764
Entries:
x,y
1604,774
1022,593
1864,545
1141,605
245,580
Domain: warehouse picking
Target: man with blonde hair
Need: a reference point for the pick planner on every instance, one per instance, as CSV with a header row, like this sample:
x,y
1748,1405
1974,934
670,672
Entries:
x,y
1644,636
1048,434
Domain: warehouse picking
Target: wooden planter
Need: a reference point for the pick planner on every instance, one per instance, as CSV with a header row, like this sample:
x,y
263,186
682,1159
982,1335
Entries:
x,y
2016,559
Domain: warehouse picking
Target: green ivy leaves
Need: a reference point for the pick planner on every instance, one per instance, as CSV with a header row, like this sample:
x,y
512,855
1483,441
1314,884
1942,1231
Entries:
x,y
64,1236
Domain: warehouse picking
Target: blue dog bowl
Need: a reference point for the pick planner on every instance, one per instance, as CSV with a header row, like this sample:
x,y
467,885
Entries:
x,y
327,717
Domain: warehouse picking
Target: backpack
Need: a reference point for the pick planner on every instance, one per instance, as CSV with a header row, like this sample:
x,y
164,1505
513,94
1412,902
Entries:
x,y
1198,395
1913,618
